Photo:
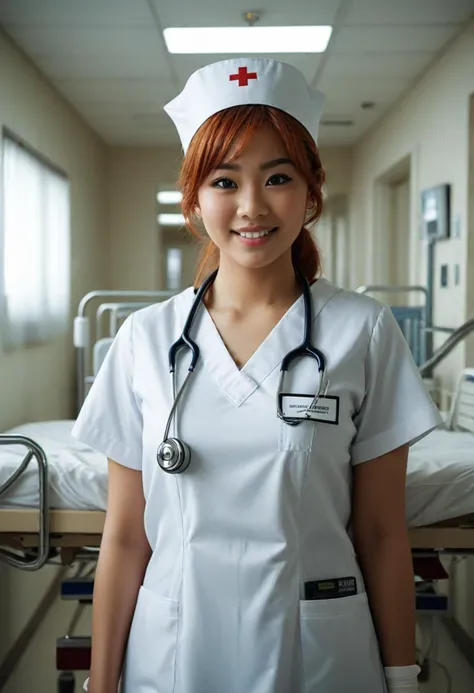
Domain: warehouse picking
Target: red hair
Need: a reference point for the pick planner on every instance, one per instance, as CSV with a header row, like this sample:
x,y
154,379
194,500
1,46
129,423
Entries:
x,y
231,130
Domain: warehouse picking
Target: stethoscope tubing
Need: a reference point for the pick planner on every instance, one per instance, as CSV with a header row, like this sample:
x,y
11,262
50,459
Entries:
x,y
185,341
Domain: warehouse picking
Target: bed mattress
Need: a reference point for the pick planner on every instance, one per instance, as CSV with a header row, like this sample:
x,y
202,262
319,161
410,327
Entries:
x,y
77,474
440,479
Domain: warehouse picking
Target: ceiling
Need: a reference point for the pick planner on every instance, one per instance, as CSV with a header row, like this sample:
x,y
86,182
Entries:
x,y
109,60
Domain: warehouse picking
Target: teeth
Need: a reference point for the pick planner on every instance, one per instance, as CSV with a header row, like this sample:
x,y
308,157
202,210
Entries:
x,y
254,234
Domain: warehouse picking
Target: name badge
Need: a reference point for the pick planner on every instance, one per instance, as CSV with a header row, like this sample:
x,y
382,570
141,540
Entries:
x,y
325,409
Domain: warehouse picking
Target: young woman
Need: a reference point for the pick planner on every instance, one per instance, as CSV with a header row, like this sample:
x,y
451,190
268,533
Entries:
x,y
255,538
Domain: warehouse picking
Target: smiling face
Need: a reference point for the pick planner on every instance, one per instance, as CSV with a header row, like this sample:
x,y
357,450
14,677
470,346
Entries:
x,y
253,207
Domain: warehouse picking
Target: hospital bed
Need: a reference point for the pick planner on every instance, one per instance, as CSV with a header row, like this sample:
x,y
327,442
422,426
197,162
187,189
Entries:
x,y
53,489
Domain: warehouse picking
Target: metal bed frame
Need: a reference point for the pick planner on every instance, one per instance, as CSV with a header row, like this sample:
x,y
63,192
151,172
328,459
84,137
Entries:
x,y
49,536
415,321
117,309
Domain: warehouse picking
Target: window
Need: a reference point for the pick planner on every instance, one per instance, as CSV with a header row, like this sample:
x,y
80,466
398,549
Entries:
x,y
36,248
174,266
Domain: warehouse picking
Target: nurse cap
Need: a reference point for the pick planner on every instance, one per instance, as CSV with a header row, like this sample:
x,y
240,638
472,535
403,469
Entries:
x,y
243,81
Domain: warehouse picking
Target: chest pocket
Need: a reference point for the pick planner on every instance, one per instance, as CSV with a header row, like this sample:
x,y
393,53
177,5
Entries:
x,y
296,438
302,378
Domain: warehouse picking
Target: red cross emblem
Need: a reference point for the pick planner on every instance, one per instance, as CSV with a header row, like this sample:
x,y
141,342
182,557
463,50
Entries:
x,y
243,77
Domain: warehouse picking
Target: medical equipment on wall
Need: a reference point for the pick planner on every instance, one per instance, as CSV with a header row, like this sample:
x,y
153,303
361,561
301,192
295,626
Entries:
x,y
173,455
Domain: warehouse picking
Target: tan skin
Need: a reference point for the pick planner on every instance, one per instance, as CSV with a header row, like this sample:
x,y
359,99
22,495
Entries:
x,y
253,290
124,555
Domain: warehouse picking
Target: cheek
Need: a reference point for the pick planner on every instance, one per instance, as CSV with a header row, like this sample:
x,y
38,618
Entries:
x,y
215,210
293,209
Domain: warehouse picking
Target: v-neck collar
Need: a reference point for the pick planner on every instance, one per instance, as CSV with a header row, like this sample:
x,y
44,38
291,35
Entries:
x,y
239,383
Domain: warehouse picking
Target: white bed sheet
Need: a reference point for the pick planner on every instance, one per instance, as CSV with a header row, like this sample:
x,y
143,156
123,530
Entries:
x,y
440,477
440,480
77,474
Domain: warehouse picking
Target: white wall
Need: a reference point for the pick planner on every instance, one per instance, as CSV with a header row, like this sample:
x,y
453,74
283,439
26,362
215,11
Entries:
x,y
134,175
431,126
37,382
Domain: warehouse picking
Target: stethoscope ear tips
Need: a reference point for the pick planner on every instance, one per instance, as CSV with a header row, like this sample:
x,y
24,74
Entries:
x,y
173,456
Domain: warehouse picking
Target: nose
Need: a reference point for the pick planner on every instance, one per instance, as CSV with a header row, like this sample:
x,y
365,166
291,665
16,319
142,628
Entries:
x,y
252,203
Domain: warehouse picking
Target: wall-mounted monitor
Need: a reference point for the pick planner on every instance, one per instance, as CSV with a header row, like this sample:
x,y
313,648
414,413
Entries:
x,y
435,212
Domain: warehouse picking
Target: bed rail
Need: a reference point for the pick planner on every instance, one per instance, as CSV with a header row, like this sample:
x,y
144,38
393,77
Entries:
x,y
82,325
414,321
445,349
33,451
116,312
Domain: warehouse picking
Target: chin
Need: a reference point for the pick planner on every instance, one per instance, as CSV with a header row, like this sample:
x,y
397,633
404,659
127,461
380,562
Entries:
x,y
259,260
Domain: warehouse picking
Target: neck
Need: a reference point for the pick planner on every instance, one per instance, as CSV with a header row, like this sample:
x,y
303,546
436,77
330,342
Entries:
x,y
242,289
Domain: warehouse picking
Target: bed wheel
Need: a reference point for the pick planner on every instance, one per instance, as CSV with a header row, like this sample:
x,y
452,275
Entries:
x,y
66,682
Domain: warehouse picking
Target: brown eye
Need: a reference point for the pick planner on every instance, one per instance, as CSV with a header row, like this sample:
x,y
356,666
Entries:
x,y
278,179
223,183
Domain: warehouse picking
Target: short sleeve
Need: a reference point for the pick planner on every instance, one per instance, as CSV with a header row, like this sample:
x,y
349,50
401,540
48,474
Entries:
x,y
110,420
397,408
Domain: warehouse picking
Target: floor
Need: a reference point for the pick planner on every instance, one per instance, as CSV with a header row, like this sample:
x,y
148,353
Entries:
x,y
461,674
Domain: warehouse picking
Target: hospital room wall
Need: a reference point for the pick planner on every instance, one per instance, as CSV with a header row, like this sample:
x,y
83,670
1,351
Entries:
x,y
429,127
37,382
134,175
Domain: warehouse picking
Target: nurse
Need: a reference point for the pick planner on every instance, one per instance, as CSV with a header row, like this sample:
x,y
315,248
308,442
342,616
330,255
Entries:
x,y
264,557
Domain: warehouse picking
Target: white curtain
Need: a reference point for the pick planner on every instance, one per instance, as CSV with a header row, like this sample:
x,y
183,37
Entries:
x,y
36,249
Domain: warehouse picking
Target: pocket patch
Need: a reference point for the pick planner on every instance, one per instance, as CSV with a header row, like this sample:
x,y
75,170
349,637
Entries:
x,y
340,646
296,438
151,652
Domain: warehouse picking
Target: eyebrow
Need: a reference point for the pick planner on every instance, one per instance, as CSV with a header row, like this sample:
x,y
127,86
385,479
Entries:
x,y
268,164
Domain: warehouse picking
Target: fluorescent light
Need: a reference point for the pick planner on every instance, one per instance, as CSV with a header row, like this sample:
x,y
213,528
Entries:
x,y
171,219
253,39
169,197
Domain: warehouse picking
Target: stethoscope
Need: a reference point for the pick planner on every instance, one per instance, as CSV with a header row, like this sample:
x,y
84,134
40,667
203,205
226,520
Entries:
x,y
174,455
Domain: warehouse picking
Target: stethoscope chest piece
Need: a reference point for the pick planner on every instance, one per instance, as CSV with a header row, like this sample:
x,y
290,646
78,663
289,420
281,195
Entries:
x,y
173,456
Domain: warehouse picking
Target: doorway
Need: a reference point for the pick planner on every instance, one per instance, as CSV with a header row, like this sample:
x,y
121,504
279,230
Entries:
x,y
332,236
394,247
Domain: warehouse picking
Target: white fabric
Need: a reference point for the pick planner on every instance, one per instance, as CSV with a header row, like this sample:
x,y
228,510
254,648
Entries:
x,y
264,507
77,473
404,679
440,478
36,281
215,87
